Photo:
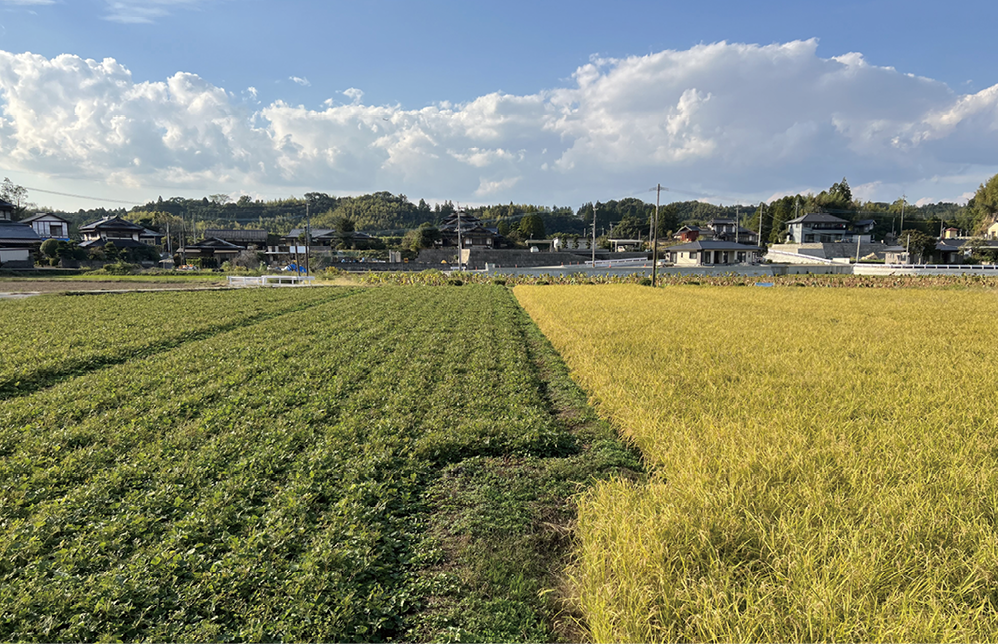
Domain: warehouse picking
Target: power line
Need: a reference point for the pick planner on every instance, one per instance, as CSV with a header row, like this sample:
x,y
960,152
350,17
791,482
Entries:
x,y
66,194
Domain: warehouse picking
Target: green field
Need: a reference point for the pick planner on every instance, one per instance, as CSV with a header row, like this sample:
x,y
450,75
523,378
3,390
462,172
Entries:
x,y
327,464
417,463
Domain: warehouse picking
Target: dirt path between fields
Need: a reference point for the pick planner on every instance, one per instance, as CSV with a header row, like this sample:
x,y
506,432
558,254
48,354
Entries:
x,y
25,288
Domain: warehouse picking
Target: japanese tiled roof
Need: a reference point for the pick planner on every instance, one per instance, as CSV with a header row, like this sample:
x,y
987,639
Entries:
x,y
15,231
111,223
818,217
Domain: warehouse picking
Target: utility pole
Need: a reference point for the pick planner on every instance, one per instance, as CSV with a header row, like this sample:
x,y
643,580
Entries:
x,y
183,237
460,246
594,236
903,198
308,237
654,248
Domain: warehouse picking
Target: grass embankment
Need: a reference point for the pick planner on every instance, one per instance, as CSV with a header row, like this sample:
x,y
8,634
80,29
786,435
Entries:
x,y
822,462
390,464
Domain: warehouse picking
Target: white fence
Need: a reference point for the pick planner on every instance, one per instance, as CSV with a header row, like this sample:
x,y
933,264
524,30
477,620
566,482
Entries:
x,y
623,262
270,280
990,270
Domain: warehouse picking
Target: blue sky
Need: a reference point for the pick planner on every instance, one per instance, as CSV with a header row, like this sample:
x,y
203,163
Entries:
x,y
540,102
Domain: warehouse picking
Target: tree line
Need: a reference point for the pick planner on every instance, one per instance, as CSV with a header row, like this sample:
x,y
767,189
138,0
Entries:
x,y
387,214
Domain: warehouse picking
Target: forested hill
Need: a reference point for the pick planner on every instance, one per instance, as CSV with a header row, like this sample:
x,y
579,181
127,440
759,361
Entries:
x,y
383,213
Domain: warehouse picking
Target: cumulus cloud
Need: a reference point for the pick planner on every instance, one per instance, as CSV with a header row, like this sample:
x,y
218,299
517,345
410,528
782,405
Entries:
x,y
301,81
729,120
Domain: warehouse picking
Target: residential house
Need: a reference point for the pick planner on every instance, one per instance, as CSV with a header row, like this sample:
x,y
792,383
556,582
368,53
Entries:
x,y
950,251
992,231
727,229
17,239
254,238
692,233
211,252
817,227
151,237
48,225
712,253
864,226
112,230
472,232
895,255
624,245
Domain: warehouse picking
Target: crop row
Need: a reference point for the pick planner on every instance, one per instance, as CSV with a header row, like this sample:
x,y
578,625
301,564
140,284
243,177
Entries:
x,y
438,278
265,482
45,338
822,461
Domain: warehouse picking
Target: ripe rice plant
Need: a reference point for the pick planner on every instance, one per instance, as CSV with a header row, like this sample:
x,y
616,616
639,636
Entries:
x,y
822,461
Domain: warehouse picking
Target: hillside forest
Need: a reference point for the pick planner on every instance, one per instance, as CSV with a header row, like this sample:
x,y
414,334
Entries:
x,y
400,220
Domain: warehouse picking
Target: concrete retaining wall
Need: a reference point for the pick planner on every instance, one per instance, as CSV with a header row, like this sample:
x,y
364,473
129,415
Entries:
x,y
829,250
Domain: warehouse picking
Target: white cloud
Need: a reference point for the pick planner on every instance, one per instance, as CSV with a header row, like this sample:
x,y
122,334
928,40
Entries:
x,y
144,11
732,120
488,188
301,81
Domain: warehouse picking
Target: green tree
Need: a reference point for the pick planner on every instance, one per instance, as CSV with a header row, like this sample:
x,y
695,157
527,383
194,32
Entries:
x,y
836,198
631,227
111,252
344,226
50,248
983,205
920,246
15,195
532,227
422,237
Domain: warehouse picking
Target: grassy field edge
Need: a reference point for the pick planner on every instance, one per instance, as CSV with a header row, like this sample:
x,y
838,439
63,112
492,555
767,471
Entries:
x,y
501,527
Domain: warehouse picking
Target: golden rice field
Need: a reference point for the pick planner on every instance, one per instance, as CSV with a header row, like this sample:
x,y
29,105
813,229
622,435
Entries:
x,y
824,461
